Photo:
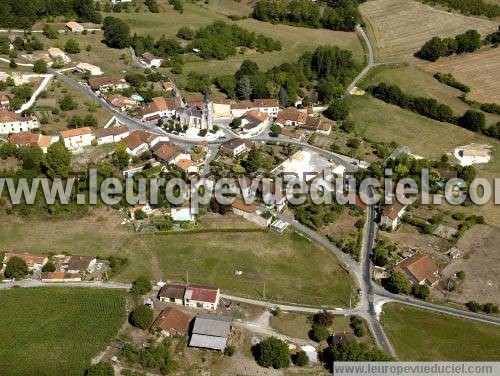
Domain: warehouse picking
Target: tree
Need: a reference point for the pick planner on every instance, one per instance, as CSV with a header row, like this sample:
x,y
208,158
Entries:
x,y
247,68
283,98
40,66
355,351
139,215
320,332
16,268
324,318
116,32
469,41
301,359
337,110
66,103
141,317
473,120
50,32
49,267
141,286
12,64
461,275
244,88
273,352
474,306
275,130
58,160
236,123
72,47
432,50
398,283
100,369
490,308
420,291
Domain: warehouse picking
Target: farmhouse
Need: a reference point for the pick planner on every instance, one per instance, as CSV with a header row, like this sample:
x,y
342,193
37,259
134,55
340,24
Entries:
x,y
210,332
392,214
105,84
81,264
160,107
10,122
140,141
291,117
111,134
269,106
236,147
120,102
31,140
88,68
253,122
150,61
171,293
74,139
186,165
420,269
249,212
172,322
197,296
240,108
55,52
75,27
33,262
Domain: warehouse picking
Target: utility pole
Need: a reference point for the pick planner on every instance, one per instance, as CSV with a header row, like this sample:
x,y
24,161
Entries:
x,y
350,298
264,291
187,277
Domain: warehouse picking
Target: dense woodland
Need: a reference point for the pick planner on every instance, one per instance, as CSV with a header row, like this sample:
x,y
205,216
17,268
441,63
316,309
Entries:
x,y
23,14
340,15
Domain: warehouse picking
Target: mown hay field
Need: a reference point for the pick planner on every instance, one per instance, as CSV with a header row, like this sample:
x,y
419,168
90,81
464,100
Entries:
x,y
56,331
398,28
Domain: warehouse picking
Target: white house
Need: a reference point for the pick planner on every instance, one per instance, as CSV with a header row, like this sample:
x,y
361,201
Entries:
x,y
74,139
392,214
160,108
268,105
120,102
291,117
150,61
32,139
240,108
111,134
140,141
198,296
236,147
10,122
88,68
254,122
105,84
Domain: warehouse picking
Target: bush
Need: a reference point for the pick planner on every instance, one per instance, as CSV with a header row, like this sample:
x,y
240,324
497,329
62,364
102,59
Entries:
x,y
229,350
301,359
420,291
16,268
142,317
141,286
320,332
357,325
72,47
337,110
448,79
273,352
40,66
49,267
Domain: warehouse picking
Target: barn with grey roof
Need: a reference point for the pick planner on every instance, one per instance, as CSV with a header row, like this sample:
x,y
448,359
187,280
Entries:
x,y
210,332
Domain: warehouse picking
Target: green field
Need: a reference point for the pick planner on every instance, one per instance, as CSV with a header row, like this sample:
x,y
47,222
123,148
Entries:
x,y
295,40
419,335
56,331
292,268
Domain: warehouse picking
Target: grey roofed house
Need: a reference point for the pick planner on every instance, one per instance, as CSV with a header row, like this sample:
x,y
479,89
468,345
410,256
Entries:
x,y
210,331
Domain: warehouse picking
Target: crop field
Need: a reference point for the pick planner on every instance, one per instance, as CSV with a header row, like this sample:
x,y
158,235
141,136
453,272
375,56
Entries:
x,y
292,268
479,70
399,28
420,335
56,331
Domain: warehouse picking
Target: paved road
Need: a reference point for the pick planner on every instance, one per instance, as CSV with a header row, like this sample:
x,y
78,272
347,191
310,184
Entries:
x,y
38,283
369,64
36,93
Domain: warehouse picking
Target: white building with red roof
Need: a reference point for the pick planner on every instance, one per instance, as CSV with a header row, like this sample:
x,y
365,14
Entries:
x,y
198,296
10,122
75,139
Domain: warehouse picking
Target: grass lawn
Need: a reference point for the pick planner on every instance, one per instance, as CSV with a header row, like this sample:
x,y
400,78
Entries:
x,y
56,331
420,335
292,268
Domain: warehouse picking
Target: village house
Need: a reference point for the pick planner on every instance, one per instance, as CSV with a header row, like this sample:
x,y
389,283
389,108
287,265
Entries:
x,y
170,293
254,122
10,122
120,102
420,269
249,212
150,61
168,153
86,68
33,262
198,296
312,123
273,196
172,322
325,128
210,332
240,108
269,106
221,108
75,139
133,169
392,214
111,134
75,27
474,155
160,108
57,53
4,101
236,147
186,166
105,84
140,141
32,140
291,117
81,264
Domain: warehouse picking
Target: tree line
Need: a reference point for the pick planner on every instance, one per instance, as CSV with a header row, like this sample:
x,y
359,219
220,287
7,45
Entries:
x,y
436,47
472,120
469,7
340,15
24,14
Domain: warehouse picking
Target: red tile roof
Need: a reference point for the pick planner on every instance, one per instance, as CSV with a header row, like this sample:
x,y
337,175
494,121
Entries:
x,y
421,267
111,131
239,204
172,321
201,293
266,102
